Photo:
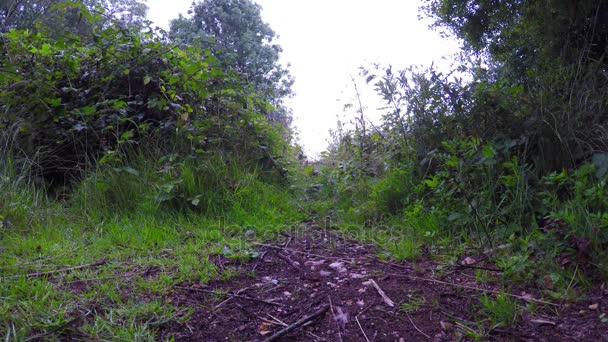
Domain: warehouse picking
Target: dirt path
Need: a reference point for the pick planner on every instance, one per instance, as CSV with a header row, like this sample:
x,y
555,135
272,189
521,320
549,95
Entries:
x,y
366,300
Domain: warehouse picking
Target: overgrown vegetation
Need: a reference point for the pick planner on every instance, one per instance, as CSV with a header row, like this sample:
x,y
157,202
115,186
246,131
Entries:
x,y
506,153
131,153
138,154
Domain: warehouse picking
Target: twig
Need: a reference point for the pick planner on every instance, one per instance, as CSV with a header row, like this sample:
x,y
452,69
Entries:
x,y
260,260
543,321
42,274
298,324
360,327
277,320
292,263
104,278
229,298
71,323
229,294
385,298
480,268
404,267
287,243
530,299
418,330
333,315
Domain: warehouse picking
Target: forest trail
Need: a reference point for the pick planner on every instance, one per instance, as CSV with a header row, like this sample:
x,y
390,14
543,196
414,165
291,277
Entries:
x,y
315,285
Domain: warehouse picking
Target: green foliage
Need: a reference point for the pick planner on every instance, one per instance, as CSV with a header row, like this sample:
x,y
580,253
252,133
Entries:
x,y
234,32
502,312
415,301
68,101
545,64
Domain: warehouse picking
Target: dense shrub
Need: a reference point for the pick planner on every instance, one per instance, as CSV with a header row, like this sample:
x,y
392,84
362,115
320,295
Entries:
x,y
69,101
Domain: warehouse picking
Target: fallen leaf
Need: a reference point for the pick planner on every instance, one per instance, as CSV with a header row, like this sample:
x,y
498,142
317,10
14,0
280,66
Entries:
x,y
263,329
594,306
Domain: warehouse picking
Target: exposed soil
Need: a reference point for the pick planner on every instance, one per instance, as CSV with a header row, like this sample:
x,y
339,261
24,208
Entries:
x,y
301,274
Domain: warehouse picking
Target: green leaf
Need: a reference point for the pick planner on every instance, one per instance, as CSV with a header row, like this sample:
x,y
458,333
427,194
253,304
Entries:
x,y
488,151
432,183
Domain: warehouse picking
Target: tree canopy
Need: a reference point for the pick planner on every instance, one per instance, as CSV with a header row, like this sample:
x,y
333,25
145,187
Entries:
x,y
234,32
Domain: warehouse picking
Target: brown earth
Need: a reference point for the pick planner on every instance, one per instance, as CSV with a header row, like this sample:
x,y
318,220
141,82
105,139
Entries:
x,y
308,271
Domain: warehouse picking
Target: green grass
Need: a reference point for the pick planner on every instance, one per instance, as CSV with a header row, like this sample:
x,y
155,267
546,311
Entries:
x,y
415,301
501,312
148,248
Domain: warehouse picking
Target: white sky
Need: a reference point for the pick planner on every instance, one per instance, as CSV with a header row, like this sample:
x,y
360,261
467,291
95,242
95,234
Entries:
x,y
325,41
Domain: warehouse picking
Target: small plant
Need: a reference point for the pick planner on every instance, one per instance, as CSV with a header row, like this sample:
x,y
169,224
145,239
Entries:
x,y
415,301
403,248
502,312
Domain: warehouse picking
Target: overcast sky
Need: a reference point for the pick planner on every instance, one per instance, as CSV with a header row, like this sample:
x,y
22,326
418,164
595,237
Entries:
x,y
325,41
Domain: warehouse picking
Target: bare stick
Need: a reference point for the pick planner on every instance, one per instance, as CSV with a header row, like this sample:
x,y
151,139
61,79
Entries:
x,y
480,268
418,330
360,327
277,320
529,299
229,294
298,324
42,274
287,243
385,298
229,298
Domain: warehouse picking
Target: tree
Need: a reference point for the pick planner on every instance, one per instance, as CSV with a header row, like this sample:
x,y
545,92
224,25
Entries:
x,y
549,56
25,14
519,34
234,32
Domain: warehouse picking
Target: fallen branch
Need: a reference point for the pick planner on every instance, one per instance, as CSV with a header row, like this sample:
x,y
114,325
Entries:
x,y
298,324
230,295
418,330
529,299
385,298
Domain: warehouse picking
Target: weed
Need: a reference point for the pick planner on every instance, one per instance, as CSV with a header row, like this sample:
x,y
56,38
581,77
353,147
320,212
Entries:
x,y
502,312
413,304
